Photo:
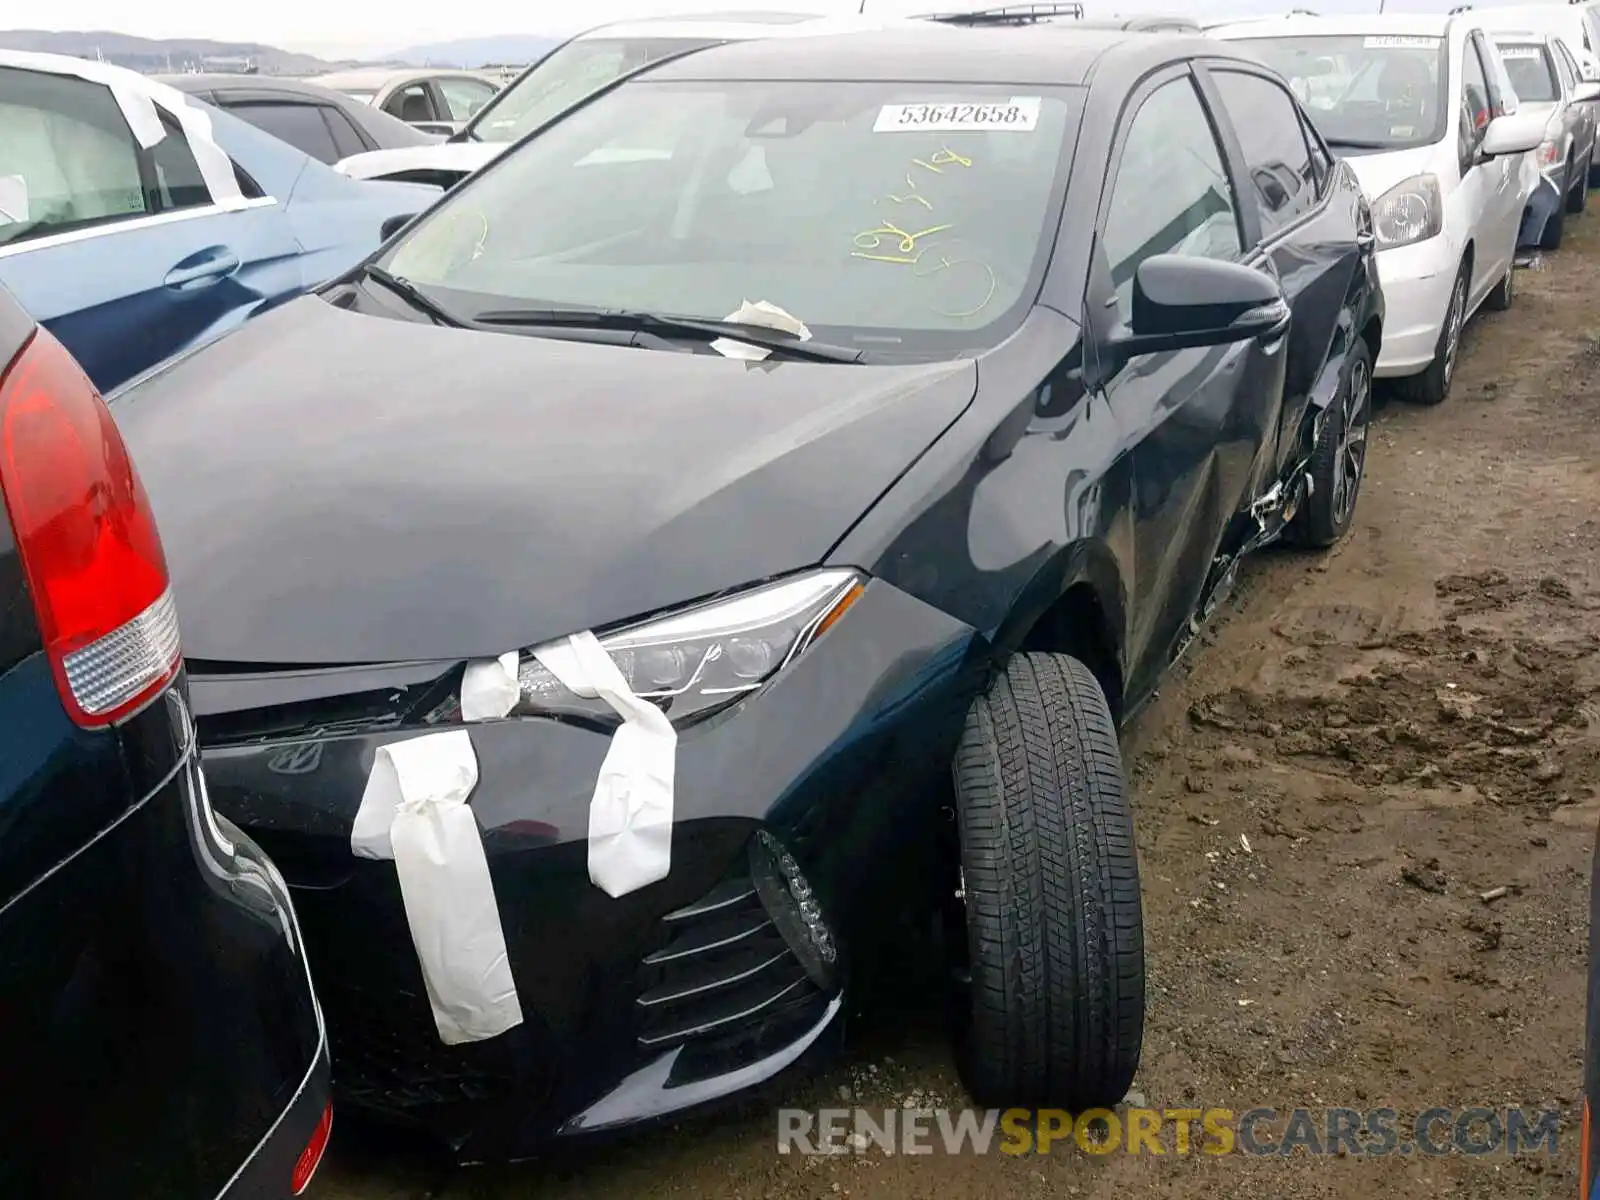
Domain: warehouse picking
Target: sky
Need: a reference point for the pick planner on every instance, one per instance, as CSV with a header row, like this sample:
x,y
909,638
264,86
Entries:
x,y
357,28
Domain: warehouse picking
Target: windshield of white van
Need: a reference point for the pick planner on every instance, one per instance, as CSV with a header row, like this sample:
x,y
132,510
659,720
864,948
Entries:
x,y
1366,91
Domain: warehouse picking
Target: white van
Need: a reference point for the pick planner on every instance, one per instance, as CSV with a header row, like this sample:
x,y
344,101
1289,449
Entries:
x,y
1422,109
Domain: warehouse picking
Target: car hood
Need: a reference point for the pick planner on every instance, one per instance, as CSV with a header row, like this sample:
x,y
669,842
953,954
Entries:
x,y
465,157
1377,173
333,487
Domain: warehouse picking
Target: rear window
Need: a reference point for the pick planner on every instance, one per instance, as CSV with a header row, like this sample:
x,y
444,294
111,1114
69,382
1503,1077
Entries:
x,y
1533,75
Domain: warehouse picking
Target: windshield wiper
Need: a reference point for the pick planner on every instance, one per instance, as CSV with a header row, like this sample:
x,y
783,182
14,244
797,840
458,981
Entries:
x,y
699,328
1356,143
414,296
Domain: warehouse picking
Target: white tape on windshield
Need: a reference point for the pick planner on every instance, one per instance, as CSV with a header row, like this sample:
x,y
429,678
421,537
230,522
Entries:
x,y
1020,114
138,97
489,688
630,812
415,811
1520,52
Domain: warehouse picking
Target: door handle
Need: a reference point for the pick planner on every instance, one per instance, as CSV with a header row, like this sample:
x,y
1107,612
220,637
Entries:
x,y
206,267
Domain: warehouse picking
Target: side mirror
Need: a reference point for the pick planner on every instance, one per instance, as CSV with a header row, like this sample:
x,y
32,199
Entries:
x,y
1514,133
1586,92
13,199
393,225
1181,302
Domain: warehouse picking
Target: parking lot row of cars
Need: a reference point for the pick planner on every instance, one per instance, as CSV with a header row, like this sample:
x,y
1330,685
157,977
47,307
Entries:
x,y
746,505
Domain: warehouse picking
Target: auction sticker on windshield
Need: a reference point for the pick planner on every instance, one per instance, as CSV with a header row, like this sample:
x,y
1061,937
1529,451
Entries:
x,y
1394,41
1020,114
1519,52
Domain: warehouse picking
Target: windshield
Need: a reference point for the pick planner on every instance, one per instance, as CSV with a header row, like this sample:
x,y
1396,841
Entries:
x,y
566,76
1369,92
1533,75
884,216
364,95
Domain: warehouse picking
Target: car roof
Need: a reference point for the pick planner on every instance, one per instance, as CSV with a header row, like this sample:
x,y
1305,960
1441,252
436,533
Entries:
x,y
743,26
1298,25
221,81
381,77
928,52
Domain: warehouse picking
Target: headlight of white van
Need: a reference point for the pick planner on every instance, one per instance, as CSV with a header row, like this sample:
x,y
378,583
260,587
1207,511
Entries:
x,y
1411,211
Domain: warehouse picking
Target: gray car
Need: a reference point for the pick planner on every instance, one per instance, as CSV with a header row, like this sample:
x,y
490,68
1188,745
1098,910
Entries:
x,y
315,120
1545,75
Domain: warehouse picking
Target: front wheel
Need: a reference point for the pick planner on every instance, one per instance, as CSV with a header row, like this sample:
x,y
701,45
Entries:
x,y
1054,1010
1338,464
1433,385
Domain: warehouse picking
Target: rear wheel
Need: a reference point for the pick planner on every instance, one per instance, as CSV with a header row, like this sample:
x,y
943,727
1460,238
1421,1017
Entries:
x,y
1578,198
1339,461
1433,385
1054,1008
1505,292
1556,227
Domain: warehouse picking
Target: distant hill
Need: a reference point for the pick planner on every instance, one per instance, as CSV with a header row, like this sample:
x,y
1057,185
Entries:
x,y
475,52
166,54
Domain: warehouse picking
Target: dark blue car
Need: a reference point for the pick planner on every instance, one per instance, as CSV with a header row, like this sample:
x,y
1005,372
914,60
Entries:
x,y
136,222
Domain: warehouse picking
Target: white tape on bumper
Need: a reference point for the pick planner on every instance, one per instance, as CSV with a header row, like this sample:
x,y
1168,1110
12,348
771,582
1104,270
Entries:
x,y
489,688
630,813
414,811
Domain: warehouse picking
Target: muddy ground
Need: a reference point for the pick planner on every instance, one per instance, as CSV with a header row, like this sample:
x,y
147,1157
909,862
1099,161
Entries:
x,y
1393,730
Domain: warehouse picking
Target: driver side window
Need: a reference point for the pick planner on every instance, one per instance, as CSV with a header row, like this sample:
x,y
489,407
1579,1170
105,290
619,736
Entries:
x,y
1474,104
1171,194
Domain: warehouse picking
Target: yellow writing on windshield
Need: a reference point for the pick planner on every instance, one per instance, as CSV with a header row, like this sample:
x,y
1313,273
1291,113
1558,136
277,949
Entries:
x,y
872,239
889,242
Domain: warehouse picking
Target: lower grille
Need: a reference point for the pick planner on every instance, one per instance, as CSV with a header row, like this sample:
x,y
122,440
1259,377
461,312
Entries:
x,y
397,1062
723,971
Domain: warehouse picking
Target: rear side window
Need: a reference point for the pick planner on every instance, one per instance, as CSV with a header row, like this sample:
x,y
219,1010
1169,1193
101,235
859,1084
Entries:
x,y
345,136
1276,155
301,125
412,103
179,183
67,157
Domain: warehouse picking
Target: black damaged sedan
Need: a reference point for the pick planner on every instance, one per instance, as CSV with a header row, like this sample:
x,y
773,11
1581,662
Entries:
x,y
893,408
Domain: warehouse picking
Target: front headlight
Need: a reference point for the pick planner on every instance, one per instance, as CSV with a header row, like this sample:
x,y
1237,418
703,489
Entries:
x,y
1411,211
696,660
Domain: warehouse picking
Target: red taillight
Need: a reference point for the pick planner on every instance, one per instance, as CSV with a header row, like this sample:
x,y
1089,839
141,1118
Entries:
x,y
306,1165
86,536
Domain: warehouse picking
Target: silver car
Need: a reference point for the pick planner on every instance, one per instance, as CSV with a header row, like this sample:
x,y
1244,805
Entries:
x,y
1545,74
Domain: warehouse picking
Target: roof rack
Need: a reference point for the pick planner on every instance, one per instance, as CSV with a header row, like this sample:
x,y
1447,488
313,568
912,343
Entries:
x,y
1011,14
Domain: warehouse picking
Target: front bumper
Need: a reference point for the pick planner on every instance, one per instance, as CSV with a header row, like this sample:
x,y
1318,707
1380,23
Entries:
x,y
636,1007
1417,281
1543,203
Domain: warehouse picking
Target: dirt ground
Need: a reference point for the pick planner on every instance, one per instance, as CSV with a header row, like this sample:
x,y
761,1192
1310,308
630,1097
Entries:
x,y
1393,730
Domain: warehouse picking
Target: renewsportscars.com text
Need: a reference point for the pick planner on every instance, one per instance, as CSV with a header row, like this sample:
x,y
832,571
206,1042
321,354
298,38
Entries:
x,y
1257,1132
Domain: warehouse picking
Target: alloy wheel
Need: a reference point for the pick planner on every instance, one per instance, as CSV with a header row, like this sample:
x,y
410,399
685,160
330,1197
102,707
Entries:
x,y
1351,459
1454,320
